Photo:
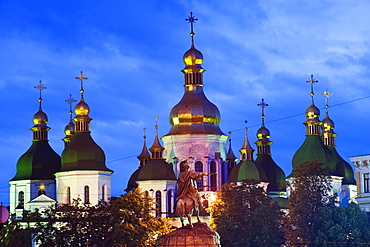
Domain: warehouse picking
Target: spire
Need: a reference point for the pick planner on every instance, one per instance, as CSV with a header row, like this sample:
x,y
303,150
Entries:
x,y
312,113
69,129
327,126
144,156
156,149
40,119
193,59
82,110
263,134
191,19
246,152
263,105
230,154
312,82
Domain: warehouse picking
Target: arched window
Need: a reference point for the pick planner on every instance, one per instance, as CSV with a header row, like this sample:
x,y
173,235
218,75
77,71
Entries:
x,y
199,168
68,195
213,177
146,199
103,193
169,202
87,194
158,206
182,168
20,199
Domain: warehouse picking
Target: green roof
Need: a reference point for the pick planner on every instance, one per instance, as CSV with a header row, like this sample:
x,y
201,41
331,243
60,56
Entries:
x,y
275,175
314,149
156,169
343,168
39,162
247,169
83,154
131,185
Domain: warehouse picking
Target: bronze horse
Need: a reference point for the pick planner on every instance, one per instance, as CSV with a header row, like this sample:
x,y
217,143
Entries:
x,y
185,207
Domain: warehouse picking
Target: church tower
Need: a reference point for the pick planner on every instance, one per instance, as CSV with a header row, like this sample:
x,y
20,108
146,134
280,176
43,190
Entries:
x,y
35,168
157,179
84,173
247,168
313,147
343,168
195,136
275,175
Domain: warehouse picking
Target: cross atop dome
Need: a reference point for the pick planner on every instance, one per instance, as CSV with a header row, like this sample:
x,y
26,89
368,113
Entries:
x,y
81,78
70,101
326,94
191,19
312,82
263,105
40,87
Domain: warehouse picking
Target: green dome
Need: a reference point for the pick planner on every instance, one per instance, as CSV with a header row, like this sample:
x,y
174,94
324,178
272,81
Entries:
x,y
343,169
314,149
156,169
83,154
40,162
247,169
275,175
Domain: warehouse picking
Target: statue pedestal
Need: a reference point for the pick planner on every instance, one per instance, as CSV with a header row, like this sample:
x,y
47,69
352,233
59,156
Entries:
x,y
200,235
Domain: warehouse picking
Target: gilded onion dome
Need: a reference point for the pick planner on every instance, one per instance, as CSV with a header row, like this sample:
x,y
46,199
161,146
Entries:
x,y
40,161
83,153
69,129
194,113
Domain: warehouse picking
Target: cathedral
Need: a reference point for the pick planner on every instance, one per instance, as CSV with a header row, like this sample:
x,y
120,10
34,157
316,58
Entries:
x,y
44,178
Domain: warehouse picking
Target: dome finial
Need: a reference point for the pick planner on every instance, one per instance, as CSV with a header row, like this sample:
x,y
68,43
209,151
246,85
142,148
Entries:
x,y
70,101
263,105
326,94
40,87
191,19
312,81
81,78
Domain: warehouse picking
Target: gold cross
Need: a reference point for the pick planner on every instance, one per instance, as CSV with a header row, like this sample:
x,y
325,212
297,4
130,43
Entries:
x,y
326,94
81,78
312,82
191,19
156,122
40,87
263,105
70,100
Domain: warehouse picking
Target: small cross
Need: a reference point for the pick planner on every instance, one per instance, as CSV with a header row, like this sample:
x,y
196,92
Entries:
x,y
144,133
263,105
40,87
191,19
156,122
312,82
81,78
246,121
70,100
326,94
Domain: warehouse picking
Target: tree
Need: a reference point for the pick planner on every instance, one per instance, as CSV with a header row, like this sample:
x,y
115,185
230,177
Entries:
x,y
244,215
126,221
310,191
342,226
14,235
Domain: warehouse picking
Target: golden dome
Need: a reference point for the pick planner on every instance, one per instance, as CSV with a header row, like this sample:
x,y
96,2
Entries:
x,y
263,133
40,118
312,112
82,108
69,129
327,124
195,114
193,57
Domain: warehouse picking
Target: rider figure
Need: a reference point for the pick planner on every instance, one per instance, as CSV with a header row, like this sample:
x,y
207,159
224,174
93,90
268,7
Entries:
x,y
187,186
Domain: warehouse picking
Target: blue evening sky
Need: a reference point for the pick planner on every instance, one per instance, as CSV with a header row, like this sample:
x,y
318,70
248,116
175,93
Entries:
x,y
131,51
